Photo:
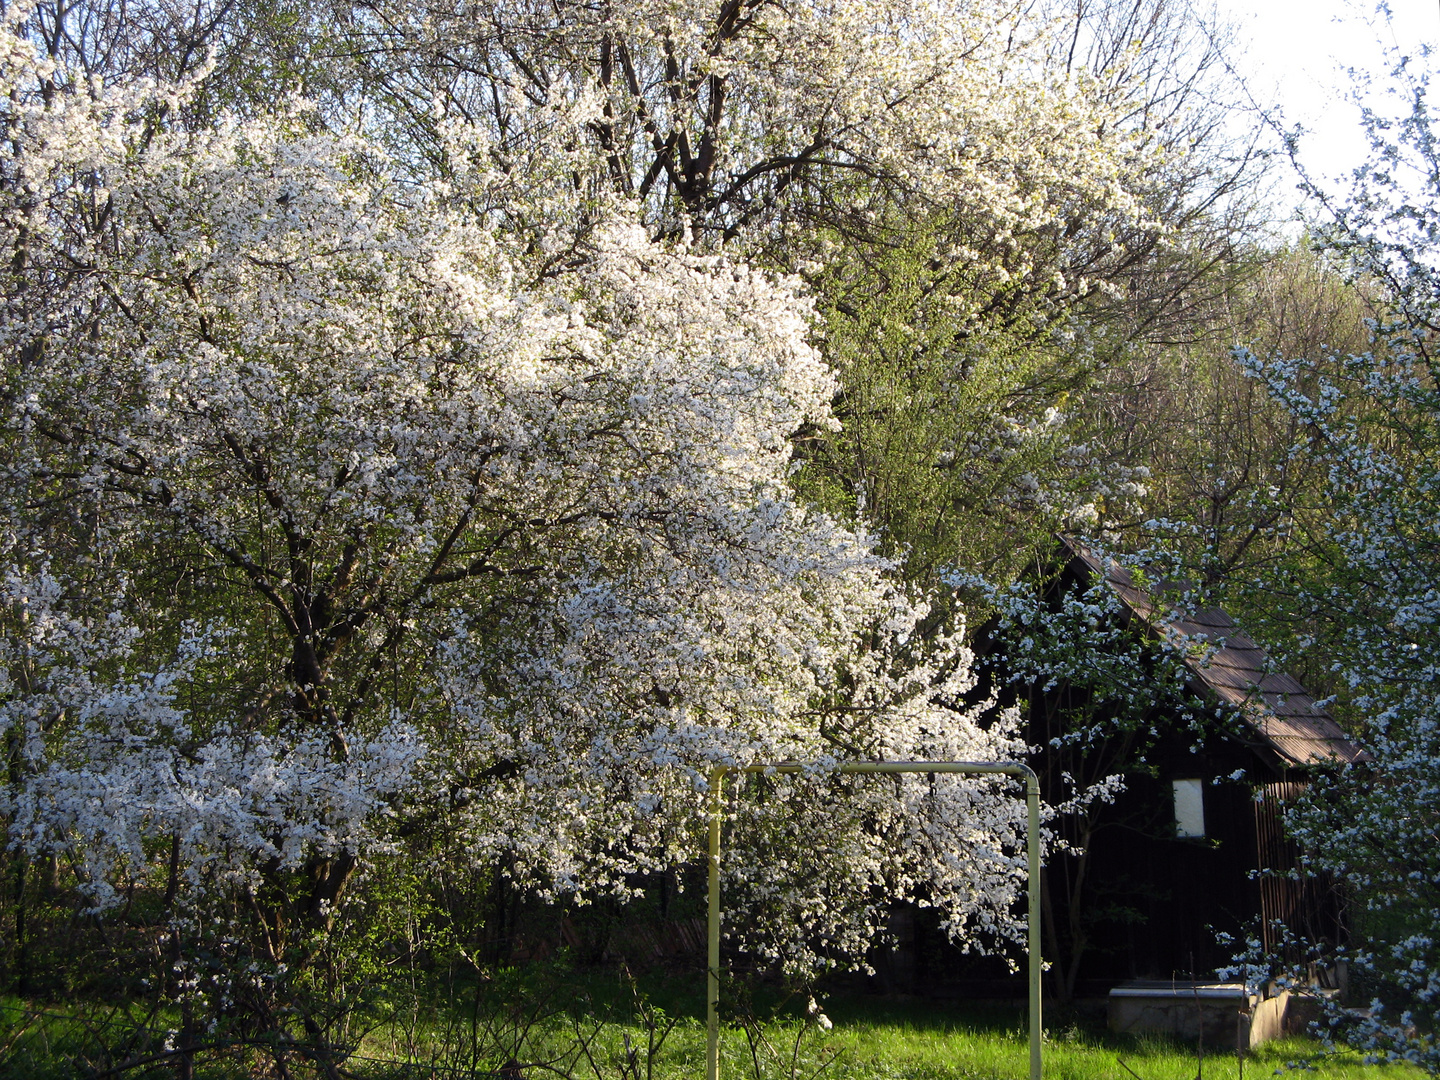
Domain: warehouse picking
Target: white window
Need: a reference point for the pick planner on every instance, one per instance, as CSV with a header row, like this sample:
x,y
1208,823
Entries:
x,y
1189,807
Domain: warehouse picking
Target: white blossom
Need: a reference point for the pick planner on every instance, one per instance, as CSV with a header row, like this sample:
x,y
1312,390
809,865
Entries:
x,y
331,506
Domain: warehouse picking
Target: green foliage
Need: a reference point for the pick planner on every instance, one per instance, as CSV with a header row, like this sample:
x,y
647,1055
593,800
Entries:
x,y
954,440
1233,494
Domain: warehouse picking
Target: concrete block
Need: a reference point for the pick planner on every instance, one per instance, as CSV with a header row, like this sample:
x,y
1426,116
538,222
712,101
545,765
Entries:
x,y
1189,1011
1263,1021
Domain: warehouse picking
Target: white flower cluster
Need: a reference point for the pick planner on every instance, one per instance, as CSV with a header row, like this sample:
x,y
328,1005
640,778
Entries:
x,y
741,117
331,507
112,765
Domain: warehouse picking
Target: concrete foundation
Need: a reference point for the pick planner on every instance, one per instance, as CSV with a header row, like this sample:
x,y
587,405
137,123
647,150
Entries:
x,y
1222,1016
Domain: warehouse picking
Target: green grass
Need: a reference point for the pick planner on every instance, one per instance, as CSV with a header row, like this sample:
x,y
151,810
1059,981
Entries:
x,y
602,1027
872,1039
927,1042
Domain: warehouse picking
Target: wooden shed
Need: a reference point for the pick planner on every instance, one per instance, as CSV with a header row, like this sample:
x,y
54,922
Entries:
x,y
1175,861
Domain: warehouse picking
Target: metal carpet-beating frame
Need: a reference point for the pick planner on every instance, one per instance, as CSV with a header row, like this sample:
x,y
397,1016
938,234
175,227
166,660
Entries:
x,y
967,768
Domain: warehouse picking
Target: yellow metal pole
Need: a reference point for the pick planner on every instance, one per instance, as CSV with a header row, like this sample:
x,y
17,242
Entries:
x,y
712,982
968,768
1032,889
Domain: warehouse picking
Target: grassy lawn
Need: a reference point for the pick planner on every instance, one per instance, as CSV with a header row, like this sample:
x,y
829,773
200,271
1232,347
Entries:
x,y
596,1030
605,1028
930,1042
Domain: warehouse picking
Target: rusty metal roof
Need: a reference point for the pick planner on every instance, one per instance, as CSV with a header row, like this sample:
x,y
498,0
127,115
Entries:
x,y
1230,667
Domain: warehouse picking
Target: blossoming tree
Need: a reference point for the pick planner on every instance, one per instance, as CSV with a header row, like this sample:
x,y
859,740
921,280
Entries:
x,y
335,514
403,474
1371,580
